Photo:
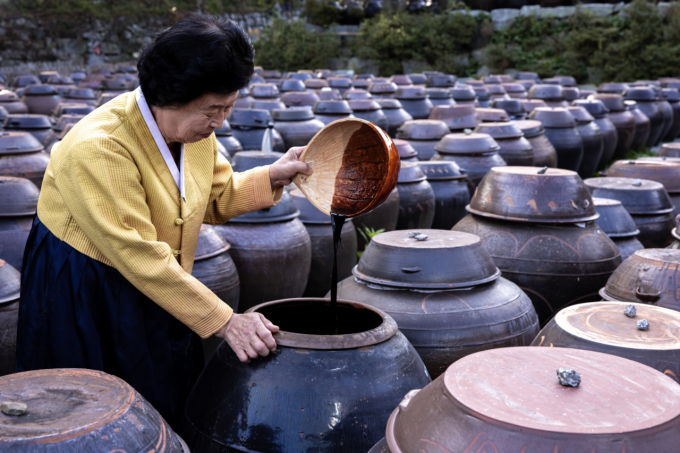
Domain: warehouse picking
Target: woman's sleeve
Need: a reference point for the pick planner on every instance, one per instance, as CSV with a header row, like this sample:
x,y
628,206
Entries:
x,y
233,194
111,210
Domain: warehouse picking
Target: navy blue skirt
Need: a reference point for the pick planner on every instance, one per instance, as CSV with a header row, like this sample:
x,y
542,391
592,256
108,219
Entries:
x,y
77,312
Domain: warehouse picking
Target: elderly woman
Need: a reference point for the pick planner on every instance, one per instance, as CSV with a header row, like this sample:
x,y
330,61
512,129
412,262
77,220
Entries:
x,y
107,282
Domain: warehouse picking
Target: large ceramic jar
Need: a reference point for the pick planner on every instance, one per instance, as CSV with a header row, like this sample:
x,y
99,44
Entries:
x,y
272,251
382,89
225,137
667,112
18,202
38,126
24,80
320,232
646,201
515,90
10,281
80,96
82,410
339,83
329,111
660,169
446,311
295,99
41,99
415,101
296,126
593,141
475,154
261,91
618,224
395,114
513,107
646,103
609,133
329,386
673,98
416,198
22,155
552,95
457,117
11,102
483,95
544,152
440,96
423,135
479,405
369,110
249,127
452,189
560,129
515,149
538,227
464,94
624,121
384,217
440,80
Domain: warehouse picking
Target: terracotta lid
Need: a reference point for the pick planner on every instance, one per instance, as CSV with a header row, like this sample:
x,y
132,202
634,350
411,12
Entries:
x,y
531,104
332,108
354,94
496,400
411,172
613,87
672,94
406,151
665,172
339,82
283,211
299,98
557,117
530,128
225,130
18,196
210,243
249,118
513,87
640,94
395,259
492,115
581,115
362,105
270,74
363,84
471,143
463,93
315,84
530,194
613,102
511,106
547,92
8,96
40,90
438,93
418,79
410,92
389,104
27,121
383,88
614,220
264,90
527,75
291,85
639,196
18,143
594,106
670,150
328,94
500,130
441,80
441,170
71,109
571,93
401,80
80,93
65,120
456,117
422,130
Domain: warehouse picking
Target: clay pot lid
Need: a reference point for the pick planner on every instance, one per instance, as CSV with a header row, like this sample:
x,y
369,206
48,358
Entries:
x,y
422,130
355,94
557,117
299,98
474,83
531,104
532,194
494,79
315,84
65,108
284,210
363,84
339,82
613,102
401,80
327,94
613,87
411,172
640,94
639,196
410,92
513,87
59,80
488,115
65,120
647,276
672,94
267,105
581,115
493,90
382,88
571,93
249,118
332,108
270,74
500,130
308,213
27,121
395,259
286,85
9,290
594,106
506,389
365,76
80,93
614,220
463,93
418,79
246,160
530,128
363,105
666,172
264,90
18,143
483,93
210,243
404,148
18,196
456,117
526,75
78,75
8,96
471,143
389,104
40,90
225,130
441,170
259,79
552,81
23,80
547,92
670,150
441,80
438,93
356,166
511,106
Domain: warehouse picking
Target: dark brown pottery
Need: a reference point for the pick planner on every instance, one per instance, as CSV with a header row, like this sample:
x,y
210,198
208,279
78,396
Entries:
x,y
249,127
264,91
18,202
416,198
406,151
667,172
609,133
24,80
544,152
451,192
329,111
423,135
21,155
571,94
513,107
642,125
287,85
646,103
244,99
667,112
369,110
474,153
10,280
64,108
673,98
515,149
299,99
463,94
623,120
383,217
560,129
225,137
41,99
670,150
38,126
552,95
395,114
456,117
296,126
80,96
415,101
489,115
618,224
439,96
593,141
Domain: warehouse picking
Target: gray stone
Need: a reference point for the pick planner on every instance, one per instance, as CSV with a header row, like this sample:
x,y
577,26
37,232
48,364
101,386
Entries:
x,y
558,11
13,408
421,237
597,9
568,378
529,10
630,311
503,17
643,324
483,71
413,234
664,7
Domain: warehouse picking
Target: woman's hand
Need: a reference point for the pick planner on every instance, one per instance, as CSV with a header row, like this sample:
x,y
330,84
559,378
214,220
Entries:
x,y
249,335
282,171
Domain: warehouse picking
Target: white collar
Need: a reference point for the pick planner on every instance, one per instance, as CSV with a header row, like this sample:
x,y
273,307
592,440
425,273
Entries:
x,y
178,175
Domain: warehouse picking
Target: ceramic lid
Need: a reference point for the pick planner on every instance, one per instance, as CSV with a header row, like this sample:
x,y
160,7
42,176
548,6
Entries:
x,y
270,74
594,106
441,80
246,160
291,85
27,121
9,289
581,115
613,102
640,94
532,194
18,196
283,211
401,80
511,106
395,259
639,196
72,109
557,117
526,75
354,94
672,94
362,83
463,93
361,105
23,80
667,172
80,93
410,172
40,90
115,84
389,104
315,84
383,88
438,93
613,87
492,89
264,90
225,130
441,170
456,117
501,130
8,96
531,104
474,83
365,76
332,108
339,82
406,151
614,220
670,150
268,105
571,93
418,79
422,130
328,94
249,118
514,87
492,115
472,143
65,131
411,92
299,98
547,92
18,143
483,93
530,128
210,243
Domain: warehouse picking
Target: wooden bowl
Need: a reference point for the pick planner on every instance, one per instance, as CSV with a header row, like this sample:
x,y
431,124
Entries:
x,y
356,166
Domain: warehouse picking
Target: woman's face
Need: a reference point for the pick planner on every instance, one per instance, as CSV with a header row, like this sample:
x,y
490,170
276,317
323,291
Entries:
x,y
196,120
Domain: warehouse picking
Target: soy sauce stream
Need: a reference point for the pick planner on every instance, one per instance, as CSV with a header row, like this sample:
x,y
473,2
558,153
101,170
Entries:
x,y
337,221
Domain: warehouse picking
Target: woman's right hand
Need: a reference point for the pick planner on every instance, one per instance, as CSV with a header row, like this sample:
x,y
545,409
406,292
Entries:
x,y
249,335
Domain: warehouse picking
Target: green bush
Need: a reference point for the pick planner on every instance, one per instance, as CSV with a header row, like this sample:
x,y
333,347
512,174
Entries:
x,y
289,46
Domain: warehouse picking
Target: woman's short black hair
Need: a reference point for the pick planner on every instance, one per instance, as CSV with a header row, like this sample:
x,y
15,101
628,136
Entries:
x,y
199,54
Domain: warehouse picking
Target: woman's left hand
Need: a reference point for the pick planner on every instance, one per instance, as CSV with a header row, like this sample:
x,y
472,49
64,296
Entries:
x,y
282,171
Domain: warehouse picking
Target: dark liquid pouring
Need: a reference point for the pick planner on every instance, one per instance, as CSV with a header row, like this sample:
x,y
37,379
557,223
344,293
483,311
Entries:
x,y
337,221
